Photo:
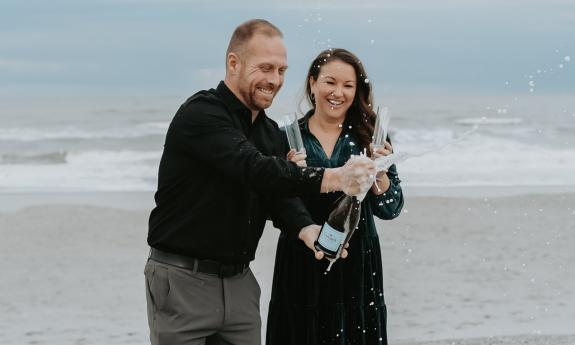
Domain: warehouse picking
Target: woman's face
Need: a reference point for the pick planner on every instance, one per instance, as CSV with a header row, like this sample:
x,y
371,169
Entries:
x,y
334,89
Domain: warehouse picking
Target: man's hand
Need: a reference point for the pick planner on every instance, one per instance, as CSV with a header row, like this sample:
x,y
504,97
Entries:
x,y
297,158
309,235
356,176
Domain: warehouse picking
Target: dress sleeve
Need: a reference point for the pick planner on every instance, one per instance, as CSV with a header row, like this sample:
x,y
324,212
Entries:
x,y
389,204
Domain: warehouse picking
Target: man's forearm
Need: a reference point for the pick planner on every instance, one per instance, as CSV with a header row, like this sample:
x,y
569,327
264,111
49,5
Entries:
x,y
331,181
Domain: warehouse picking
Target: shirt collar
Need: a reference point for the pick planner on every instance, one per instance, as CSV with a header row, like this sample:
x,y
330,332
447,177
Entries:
x,y
234,104
304,122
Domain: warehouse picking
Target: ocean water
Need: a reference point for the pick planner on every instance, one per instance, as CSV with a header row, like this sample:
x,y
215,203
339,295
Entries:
x,y
519,141
116,145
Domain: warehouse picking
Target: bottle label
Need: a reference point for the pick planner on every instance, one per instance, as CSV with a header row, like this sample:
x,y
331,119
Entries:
x,y
330,238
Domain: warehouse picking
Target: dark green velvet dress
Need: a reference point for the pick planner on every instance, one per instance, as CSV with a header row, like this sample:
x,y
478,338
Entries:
x,y
346,305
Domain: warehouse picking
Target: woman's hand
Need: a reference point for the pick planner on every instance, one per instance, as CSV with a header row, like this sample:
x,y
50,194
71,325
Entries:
x,y
381,184
297,158
380,151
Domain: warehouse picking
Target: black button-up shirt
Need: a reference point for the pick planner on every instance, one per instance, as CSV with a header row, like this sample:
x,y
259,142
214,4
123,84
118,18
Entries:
x,y
220,177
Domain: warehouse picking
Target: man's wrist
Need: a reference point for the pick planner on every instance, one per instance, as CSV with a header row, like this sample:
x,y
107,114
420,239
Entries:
x,y
331,180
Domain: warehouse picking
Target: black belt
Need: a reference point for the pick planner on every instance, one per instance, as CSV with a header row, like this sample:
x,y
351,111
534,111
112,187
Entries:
x,y
203,266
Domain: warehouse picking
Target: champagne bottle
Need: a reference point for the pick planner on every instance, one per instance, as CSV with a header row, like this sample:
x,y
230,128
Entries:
x,y
340,225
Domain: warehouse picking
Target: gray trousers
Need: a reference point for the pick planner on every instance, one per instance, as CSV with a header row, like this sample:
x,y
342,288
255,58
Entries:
x,y
193,308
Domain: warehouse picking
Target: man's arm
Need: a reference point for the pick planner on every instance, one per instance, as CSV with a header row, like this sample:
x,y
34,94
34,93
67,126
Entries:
x,y
210,137
289,215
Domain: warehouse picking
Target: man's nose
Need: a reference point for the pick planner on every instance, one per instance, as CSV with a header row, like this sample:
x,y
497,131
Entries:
x,y
274,78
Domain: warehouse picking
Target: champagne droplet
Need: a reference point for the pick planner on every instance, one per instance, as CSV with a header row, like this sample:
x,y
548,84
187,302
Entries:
x,y
329,266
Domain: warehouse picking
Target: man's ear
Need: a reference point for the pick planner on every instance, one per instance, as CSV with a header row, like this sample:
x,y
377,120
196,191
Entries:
x,y
232,63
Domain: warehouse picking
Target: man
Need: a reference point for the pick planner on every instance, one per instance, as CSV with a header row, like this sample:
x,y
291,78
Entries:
x,y
218,180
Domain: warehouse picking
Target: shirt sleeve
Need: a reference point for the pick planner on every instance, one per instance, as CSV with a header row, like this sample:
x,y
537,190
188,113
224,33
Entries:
x,y
208,135
289,215
389,204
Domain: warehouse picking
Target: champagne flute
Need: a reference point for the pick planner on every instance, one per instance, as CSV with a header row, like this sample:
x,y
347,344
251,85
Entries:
x,y
380,130
381,126
293,133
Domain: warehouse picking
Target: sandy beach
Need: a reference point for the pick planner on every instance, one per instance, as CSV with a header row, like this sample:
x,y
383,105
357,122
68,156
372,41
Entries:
x,y
458,270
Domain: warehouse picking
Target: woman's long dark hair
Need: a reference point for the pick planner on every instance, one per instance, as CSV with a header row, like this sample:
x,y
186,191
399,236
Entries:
x,y
360,114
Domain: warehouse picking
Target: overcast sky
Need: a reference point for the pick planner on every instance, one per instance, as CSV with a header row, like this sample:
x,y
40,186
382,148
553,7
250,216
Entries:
x,y
175,47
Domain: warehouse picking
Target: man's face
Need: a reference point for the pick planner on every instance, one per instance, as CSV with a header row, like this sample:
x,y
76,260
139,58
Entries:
x,y
262,68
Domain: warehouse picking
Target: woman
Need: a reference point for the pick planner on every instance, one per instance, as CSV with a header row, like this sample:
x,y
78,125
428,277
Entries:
x,y
346,305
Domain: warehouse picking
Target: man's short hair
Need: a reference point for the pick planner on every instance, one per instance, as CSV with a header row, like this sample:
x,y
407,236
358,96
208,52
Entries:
x,y
245,31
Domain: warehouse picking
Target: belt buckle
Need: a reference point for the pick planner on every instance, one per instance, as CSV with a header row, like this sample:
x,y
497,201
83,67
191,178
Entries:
x,y
224,271
229,270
